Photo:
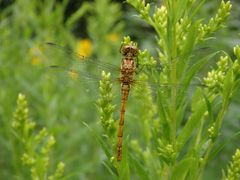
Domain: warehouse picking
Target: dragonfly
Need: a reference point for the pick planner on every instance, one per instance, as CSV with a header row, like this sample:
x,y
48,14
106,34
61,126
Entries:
x,y
126,76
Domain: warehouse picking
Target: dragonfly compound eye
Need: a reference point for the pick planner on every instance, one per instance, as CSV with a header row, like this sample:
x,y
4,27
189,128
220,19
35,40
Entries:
x,y
129,49
135,51
125,50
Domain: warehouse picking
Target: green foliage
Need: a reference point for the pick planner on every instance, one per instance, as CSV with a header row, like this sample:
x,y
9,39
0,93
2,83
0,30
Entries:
x,y
23,26
33,148
104,102
179,146
103,28
217,21
166,135
233,171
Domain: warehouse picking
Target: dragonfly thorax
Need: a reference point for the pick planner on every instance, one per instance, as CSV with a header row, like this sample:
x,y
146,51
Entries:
x,y
128,64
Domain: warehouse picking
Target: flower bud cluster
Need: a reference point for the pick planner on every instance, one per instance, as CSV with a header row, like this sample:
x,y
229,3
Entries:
x,y
27,159
236,68
146,59
212,132
166,152
236,51
21,115
223,63
163,58
160,21
236,63
233,171
127,41
215,78
135,146
37,146
215,22
160,25
182,28
105,104
59,171
48,146
142,7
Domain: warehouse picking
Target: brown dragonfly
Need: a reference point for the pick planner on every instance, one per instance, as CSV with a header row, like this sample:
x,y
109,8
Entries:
x,y
125,75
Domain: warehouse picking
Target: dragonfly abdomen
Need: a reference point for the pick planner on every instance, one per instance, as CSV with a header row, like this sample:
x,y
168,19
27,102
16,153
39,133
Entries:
x,y
125,93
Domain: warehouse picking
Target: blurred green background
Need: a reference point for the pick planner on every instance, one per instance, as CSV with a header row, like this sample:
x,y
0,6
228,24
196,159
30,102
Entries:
x,y
96,29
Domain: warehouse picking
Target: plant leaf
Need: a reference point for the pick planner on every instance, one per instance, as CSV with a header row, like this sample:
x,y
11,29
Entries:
x,y
181,169
142,173
100,141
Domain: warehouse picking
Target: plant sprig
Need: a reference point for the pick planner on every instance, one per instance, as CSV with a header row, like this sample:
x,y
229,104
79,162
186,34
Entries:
x,y
182,145
36,147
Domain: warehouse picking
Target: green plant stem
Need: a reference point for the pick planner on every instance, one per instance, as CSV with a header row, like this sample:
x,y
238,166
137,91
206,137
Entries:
x,y
205,160
221,114
217,129
173,69
199,133
173,103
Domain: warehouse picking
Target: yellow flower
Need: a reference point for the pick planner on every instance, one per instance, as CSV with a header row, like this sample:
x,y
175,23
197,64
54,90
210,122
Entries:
x,y
113,37
36,60
35,53
73,74
84,47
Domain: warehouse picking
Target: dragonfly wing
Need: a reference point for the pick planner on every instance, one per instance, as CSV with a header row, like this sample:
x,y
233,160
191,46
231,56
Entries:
x,y
63,56
185,59
154,87
76,76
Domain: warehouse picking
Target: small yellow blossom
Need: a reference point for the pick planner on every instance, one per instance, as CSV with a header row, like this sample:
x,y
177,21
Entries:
x,y
35,53
73,74
84,47
113,37
36,60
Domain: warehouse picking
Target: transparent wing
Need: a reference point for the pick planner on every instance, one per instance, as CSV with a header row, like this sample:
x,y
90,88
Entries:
x,y
70,65
57,55
75,74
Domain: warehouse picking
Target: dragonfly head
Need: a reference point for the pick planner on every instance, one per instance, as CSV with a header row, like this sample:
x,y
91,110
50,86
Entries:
x,y
129,50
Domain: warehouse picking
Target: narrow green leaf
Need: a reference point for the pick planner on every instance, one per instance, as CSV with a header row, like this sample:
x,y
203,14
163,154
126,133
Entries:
x,y
110,170
123,167
193,169
181,8
190,42
199,108
100,141
209,107
142,173
161,100
197,8
181,169
228,84
190,74
180,114
196,67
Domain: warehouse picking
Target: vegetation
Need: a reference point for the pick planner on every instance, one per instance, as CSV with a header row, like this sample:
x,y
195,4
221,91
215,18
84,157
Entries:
x,y
176,131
